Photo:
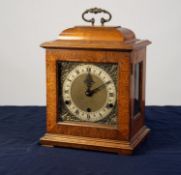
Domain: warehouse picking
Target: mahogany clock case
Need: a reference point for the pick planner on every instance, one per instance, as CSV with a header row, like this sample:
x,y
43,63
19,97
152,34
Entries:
x,y
100,46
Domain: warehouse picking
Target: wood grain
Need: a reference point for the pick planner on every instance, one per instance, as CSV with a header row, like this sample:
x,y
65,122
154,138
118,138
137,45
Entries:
x,y
98,45
138,56
109,38
117,146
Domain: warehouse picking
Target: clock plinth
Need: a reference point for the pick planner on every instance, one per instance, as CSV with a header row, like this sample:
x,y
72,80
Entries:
x,y
117,146
96,89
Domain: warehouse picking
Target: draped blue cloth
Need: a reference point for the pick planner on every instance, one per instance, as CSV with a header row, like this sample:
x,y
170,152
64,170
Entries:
x,y
20,153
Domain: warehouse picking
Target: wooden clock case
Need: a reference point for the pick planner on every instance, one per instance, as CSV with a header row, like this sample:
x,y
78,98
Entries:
x,y
98,45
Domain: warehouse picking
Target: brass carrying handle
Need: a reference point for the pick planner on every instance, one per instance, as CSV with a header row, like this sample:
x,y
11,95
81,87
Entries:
x,y
96,11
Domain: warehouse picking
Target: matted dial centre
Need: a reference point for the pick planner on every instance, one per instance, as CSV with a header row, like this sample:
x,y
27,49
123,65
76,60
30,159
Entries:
x,y
82,101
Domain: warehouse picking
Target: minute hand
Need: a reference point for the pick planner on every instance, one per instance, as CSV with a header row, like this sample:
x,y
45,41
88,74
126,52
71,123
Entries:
x,y
100,87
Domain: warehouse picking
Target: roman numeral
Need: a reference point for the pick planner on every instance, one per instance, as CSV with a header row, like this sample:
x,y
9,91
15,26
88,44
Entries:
x,y
88,69
77,112
88,116
66,91
111,94
77,71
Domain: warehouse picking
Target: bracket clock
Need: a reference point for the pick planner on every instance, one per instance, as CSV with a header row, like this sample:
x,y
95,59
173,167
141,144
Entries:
x,y
96,88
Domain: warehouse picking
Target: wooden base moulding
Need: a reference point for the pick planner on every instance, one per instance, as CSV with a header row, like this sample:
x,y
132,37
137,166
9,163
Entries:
x,y
117,146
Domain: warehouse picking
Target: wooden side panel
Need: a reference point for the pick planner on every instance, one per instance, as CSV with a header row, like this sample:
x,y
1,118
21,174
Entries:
x,y
137,121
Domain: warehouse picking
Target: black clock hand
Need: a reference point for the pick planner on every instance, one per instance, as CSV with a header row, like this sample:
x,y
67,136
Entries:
x,y
98,88
89,80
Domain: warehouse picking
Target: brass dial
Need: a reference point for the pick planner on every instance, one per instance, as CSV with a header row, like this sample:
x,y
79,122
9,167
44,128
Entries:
x,y
89,93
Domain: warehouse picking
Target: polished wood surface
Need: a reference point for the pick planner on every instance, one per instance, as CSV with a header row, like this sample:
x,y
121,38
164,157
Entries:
x,y
121,58
138,56
89,33
112,38
117,146
112,45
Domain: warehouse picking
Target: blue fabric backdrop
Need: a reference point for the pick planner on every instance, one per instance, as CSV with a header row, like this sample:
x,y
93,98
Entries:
x,y
20,153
